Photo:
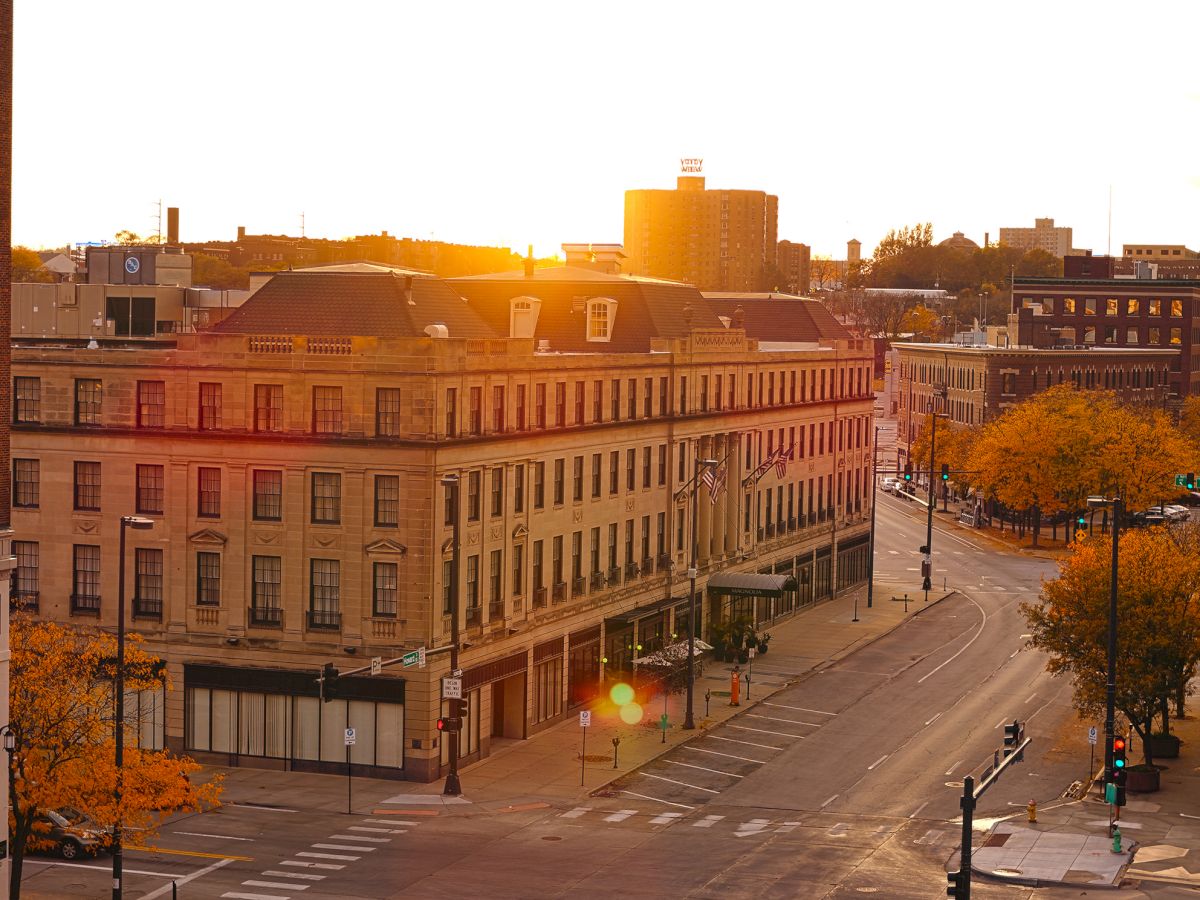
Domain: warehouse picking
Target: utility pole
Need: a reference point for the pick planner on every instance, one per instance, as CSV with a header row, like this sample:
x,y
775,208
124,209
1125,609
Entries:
x,y
927,563
689,720
453,788
1110,689
871,553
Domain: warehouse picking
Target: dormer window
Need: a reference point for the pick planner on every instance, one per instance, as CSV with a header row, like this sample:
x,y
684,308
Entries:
x,y
523,316
601,314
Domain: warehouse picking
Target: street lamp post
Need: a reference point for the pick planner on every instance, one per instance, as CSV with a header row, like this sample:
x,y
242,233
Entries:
x,y
1110,689
141,524
689,721
871,553
453,788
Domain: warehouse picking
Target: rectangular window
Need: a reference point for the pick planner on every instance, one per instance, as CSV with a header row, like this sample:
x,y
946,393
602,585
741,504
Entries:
x,y
662,464
27,399
475,411
387,412
630,468
326,498
472,595
538,573
387,501
628,541
451,412
614,471
85,565
556,560
497,492
539,485
732,391
664,405
718,398
208,579
539,405
631,400
648,398
25,575
324,594
88,398
521,390
447,587
268,494
1131,307
519,488
661,534
547,689
208,494
266,593
646,467
474,486
496,581
559,478
612,549
560,404
147,587
683,395
596,475
268,407
327,410
616,399
152,404
598,401
210,406
594,550
26,490
577,554
150,489
518,570
383,595
577,479
1155,308
645,537
498,419
579,401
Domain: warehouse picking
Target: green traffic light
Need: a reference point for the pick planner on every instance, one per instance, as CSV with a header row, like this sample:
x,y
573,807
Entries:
x,y
1118,763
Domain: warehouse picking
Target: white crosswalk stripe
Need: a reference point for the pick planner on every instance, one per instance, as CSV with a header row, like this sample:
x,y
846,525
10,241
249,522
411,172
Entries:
x,y
576,812
707,822
666,818
621,815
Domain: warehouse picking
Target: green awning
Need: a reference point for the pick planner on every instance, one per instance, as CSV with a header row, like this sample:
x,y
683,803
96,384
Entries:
x,y
749,584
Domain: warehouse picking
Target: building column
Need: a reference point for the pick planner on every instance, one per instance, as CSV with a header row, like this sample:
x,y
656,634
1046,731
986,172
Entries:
x,y
704,449
733,491
720,444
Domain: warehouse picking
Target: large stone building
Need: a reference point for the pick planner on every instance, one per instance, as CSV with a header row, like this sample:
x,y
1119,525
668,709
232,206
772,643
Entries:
x,y
717,240
292,459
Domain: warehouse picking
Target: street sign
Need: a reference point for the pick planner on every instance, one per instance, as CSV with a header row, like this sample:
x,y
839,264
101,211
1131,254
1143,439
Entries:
x,y
376,665
585,718
451,688
1092,735
751,652
421,658
411,658
349,737
1180,481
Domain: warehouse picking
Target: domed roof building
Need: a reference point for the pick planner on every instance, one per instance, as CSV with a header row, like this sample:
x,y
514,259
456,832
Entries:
x,y
959,241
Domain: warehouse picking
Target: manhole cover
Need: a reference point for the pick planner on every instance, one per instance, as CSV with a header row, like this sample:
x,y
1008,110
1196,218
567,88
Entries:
x,y
551,837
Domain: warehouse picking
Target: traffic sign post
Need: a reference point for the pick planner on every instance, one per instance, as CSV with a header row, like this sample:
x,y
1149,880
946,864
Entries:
x,y
350,738
376,665
1092,735
585,722
451,688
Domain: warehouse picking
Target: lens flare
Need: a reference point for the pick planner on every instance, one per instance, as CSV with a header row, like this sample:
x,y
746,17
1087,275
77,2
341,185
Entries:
x,y
621,694
631,713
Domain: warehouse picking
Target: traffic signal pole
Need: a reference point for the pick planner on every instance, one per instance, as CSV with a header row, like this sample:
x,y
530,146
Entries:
x,y
1110,689
453,788
928,580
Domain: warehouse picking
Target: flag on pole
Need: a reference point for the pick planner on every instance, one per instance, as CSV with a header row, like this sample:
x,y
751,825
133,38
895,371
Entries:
x,y
716,486
781,460
764,466
708,478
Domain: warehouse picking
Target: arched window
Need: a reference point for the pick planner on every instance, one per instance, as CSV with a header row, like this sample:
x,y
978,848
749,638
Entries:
x,y
523,316
601,314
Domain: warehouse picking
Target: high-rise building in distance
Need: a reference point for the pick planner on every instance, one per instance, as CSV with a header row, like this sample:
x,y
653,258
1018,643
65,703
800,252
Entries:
x,y
717,240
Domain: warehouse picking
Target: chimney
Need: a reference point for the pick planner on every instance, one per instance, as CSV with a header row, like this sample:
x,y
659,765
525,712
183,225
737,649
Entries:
x,y
241,232
529,263
986,237
172,224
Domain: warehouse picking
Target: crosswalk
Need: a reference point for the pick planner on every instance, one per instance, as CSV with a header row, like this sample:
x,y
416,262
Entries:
x,y
322,859
748,828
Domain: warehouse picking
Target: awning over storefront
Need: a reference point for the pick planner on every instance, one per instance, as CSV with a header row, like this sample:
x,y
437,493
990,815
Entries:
x,y
673,653
645,610
749,584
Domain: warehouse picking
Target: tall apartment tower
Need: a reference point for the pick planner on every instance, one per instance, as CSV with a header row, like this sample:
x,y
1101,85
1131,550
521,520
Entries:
x,y
715,240
1044,235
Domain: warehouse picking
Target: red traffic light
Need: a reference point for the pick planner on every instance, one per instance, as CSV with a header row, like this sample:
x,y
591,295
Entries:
x,y
449,723
1119,743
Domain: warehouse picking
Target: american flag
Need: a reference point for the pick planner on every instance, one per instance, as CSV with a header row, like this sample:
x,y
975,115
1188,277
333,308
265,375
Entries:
x,y
764,466
781,460
716,481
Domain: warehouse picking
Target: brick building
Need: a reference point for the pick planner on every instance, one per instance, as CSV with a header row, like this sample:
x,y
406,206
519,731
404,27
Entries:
x,y
291,459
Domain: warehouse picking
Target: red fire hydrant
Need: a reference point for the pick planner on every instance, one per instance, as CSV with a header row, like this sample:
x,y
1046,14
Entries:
x,y
735,687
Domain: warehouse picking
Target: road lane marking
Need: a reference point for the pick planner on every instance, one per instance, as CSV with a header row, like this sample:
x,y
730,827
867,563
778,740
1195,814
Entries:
x,y
777,719
1033,696
103,868
379,830
620,815
934,719
241,895
223,837
309,855
718,753
306,876
343,847
764,731
292,886
830,800
717,737
950,771
573,814
666,818
1014,653
800,708
310,865
672,762
1003,721
261,807
175,882
392,822
681,783
894,552
359,837
707,822
168,852
878,761
656,800
963,649
915,812
754,826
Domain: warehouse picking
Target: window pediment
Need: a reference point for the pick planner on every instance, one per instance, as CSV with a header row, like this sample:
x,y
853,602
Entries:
x,y
207,537
386,547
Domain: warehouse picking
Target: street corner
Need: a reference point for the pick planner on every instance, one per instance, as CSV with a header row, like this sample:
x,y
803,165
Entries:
x,y
1042,858
1164,863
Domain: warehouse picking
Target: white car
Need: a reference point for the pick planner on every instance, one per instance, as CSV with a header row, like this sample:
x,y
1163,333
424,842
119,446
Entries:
x,y
891,484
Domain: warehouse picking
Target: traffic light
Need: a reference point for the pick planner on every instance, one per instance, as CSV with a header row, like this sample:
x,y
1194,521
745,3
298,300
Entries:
x,y
957,884
1013,733
908,472
1191,481
449,723
1118,761
1081,521
945,471
329,678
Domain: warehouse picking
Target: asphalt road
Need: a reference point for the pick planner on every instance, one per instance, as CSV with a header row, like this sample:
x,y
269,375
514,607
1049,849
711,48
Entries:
x,y
846,783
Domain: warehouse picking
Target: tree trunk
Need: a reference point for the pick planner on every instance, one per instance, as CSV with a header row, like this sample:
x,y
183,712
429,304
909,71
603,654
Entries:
x,y
1037,524
1181,698
1144,733
1165,712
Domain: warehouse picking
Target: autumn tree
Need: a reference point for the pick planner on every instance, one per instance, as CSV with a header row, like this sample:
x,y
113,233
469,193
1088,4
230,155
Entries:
x,y
952,446
822,273
127,238
62,709
1051,452
922,321
214,272
1189,420
27,266
1158,607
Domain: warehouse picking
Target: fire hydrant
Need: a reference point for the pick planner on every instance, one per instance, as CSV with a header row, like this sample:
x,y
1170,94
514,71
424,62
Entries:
x,y
735,687
1116,847
1032,810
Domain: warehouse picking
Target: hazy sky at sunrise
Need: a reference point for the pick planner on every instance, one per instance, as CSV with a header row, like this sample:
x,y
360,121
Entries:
x,y
519,122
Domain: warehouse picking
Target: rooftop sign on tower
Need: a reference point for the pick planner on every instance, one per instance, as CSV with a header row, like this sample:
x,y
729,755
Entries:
x,y
691,166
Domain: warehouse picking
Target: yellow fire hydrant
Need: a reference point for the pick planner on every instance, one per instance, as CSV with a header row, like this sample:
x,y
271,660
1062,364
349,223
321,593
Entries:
x,y
1032,810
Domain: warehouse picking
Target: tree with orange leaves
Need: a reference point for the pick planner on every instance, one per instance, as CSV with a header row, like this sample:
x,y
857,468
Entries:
x,y
62,710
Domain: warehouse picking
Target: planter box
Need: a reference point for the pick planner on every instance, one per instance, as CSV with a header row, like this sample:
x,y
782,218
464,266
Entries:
x,y
1142,781
1164,746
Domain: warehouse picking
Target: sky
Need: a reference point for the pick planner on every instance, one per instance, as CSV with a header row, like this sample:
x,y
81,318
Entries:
x,y
516,123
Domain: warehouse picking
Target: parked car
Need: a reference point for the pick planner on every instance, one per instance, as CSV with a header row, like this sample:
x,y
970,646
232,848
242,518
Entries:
x,y
891,484
68,832
1146,518
1191,498
1170,512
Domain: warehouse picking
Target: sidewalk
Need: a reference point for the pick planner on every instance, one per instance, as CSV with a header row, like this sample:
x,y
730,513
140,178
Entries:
x,y
547,769
1069,845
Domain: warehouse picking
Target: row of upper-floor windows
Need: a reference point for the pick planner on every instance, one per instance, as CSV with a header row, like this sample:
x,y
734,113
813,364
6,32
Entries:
x,y
1110,378
1110,306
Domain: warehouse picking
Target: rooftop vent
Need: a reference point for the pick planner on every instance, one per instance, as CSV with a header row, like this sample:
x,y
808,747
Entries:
x,y
437,330
543,346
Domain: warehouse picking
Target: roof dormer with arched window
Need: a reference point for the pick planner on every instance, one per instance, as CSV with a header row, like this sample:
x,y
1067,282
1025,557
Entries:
x,y
601,316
